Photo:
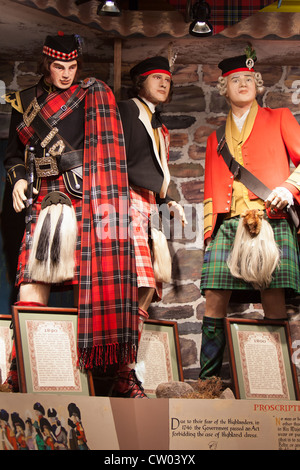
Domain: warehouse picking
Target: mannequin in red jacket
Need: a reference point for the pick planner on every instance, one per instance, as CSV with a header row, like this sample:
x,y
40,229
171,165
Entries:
x,y
263,140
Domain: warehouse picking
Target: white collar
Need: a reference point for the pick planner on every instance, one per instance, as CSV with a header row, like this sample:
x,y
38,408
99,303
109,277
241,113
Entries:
x,y
240,121
150,105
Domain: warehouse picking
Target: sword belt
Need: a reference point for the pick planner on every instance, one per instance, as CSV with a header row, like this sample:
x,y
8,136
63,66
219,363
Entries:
x,y
49,165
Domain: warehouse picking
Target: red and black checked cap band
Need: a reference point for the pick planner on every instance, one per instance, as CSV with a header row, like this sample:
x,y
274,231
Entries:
x,y
60,55
62,47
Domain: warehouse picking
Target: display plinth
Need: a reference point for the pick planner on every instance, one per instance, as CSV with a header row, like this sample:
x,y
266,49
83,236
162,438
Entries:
x,y
122,424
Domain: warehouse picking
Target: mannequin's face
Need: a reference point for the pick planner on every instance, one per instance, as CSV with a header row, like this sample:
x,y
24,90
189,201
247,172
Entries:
x,y
241,88
156,88
62,74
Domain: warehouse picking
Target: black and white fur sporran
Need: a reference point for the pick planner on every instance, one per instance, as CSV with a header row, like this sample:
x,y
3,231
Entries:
x,y
53,245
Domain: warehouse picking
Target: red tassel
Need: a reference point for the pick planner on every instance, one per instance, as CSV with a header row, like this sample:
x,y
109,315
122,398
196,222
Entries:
x,y
113,354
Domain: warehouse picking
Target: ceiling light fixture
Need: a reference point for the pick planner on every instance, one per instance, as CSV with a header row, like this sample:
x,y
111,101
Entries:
x,y
201,27
109,8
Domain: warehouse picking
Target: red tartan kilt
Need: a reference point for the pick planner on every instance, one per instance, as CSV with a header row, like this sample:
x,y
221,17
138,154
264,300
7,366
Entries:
x,y
142,204
48,185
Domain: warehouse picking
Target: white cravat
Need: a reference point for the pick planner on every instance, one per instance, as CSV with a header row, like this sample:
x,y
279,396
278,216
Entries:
x,y
239,122
150,105
164,164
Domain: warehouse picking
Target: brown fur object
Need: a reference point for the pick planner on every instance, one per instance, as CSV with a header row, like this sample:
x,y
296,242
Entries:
x,y
206,389
252,220
5,388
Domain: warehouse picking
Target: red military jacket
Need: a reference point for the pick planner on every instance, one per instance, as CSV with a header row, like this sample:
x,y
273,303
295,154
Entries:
x,y
272,143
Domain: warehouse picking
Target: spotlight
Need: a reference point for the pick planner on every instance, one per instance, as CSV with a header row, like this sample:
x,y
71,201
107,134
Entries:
x,y
108,8
201,27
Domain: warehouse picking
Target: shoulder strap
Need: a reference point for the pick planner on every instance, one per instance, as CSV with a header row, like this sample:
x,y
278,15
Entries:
x,y
221,133
44,129
239,171
244,176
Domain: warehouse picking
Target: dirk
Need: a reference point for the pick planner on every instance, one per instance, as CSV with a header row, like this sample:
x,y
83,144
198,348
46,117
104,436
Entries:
x,y
30,180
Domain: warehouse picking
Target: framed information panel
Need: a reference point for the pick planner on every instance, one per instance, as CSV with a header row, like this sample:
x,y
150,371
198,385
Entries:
x,y
159,358
6,333
46,348
261,359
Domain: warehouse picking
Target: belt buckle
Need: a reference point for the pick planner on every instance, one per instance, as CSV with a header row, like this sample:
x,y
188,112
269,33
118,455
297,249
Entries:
x,y
46,166
30,113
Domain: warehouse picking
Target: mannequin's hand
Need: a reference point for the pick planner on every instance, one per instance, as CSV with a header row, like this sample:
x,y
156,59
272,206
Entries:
x,y
279,198
207,242
19,196
177,211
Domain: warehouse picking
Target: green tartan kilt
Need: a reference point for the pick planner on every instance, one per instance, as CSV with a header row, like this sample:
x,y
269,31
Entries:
x,y
216,274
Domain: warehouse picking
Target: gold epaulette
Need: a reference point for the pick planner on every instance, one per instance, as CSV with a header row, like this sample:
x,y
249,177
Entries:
x,y
208,215
294,178
14,100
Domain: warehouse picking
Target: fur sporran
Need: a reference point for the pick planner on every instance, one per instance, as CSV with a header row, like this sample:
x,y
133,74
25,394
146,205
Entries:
x,y
255,254
52,251
162,263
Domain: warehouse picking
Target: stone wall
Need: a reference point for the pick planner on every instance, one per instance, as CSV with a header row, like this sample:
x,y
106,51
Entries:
x,y
195,111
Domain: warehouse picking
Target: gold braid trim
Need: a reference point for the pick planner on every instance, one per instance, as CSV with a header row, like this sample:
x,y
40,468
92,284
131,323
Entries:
x,y
294,178
208,214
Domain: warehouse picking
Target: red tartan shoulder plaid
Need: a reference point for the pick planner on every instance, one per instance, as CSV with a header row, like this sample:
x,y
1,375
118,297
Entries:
x,y
52,104
108,303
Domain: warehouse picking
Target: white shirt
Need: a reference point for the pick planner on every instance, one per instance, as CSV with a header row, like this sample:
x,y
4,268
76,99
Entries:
x,y
239,122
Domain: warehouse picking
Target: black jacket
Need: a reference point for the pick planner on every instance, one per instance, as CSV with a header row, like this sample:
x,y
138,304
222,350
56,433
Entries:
x,y
144,169
71,128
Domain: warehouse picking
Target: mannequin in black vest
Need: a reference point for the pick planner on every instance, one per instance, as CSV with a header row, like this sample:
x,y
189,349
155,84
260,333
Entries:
x,y
147,151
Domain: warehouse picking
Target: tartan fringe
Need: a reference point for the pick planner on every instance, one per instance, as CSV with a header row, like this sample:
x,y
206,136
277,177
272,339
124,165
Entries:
x,y
104,356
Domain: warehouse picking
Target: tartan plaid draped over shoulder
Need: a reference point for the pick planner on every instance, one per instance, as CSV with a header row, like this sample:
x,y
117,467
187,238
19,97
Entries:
x,y
108,302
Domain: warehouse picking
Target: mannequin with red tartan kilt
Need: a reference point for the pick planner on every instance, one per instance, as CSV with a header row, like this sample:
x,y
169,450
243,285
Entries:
x,y
78,169
147,151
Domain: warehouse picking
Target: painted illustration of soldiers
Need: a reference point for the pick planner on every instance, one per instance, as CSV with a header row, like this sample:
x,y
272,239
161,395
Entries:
x,y
19,427
79,437
8,439
57,429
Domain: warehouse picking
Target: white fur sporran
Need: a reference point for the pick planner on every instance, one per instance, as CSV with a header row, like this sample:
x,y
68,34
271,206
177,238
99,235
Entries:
x,y
162,263
255,254
52,251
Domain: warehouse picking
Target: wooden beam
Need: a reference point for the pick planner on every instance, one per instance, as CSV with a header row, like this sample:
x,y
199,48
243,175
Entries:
x,y
117,67
270,51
